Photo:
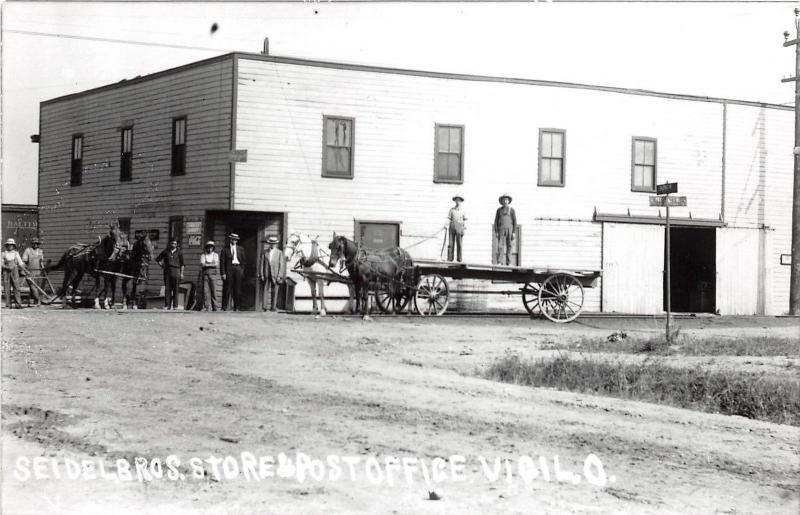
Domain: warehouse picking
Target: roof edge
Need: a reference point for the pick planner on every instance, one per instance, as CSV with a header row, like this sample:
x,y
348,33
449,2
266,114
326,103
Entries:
x,y
418,73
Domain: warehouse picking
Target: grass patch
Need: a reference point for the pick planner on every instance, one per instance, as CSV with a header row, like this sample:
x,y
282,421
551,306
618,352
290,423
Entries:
x,y
684,345
730,393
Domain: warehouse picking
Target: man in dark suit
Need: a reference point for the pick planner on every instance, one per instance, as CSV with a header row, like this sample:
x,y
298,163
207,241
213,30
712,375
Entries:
x,y
271,272
231,264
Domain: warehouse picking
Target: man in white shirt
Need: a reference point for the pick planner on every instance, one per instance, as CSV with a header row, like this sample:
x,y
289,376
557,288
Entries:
x,y
456,225
209,266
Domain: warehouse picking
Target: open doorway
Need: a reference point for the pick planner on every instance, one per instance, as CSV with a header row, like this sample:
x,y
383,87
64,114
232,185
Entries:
x,y
693,276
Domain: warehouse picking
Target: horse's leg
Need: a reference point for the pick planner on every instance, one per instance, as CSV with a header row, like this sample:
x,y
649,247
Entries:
x,y
312,285
111,286
321,286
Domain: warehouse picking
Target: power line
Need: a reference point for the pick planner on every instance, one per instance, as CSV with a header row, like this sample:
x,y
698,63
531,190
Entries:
x,y
119,41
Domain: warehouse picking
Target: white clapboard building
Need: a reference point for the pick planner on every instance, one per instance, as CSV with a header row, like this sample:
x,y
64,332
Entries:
x,y
264,145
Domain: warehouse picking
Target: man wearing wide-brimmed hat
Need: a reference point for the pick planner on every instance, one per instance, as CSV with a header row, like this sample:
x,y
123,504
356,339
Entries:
x,y
33,257
456,225
505,227
271,272
231,263
209,266
12,267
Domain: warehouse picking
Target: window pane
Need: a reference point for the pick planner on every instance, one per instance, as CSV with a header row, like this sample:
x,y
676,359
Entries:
x,y
455,140
638,179
650,153
557,144
648,176
454,166
338,132
638,152
442,139
555,171
547,144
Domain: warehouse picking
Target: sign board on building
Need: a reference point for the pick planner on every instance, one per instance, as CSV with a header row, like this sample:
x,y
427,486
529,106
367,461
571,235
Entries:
x,y
786,259
666,188
238,156
194,240
193,228
673,201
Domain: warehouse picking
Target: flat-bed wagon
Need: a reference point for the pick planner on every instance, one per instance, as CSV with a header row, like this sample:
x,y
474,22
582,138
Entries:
x,y
557,294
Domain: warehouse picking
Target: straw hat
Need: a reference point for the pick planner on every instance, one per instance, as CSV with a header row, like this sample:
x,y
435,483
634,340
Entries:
x,y
11,241
458,197
504,195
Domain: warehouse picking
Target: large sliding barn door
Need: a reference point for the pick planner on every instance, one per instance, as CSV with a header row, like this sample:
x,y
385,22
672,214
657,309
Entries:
x,y
633,264
740,271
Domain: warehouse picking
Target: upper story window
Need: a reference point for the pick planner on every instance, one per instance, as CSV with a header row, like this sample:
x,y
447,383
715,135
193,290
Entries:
x,y
552,157
76,170
178,146
126,154
449,162
643,164
337,138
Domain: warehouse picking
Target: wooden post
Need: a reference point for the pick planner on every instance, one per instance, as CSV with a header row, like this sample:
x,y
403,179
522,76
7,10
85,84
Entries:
x,y
669,278
794,275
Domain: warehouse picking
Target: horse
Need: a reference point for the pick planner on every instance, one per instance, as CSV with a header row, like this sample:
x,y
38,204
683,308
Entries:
x,y
303,250
76,261
113,259
389,270
135,269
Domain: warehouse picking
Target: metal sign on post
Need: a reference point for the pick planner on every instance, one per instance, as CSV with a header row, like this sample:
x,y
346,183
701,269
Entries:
x,y
673,201
667,202
666,188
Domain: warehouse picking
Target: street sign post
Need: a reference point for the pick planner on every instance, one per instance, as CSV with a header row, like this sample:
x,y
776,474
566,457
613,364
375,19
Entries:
x,y
667,202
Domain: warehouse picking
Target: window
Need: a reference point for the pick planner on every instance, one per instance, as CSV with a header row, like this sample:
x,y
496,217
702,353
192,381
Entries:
x,y
449,164
378,235
643,165
178,146
126,154
337,136
76,171
175,229
552,156
516,246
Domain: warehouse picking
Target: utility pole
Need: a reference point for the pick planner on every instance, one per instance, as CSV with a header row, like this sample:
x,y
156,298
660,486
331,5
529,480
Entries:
x,y
794,280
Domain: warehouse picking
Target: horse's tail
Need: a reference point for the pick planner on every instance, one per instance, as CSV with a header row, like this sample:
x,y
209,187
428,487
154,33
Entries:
x,y
58,266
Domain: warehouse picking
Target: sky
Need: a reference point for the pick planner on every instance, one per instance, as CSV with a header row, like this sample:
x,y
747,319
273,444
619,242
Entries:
x,y
722,49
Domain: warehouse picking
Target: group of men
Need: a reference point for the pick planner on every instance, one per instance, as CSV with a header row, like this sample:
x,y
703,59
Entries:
x,y
230,265
29,266
505,227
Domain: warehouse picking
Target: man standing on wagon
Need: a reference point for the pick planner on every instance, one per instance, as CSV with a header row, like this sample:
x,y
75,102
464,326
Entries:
x,y
456,225
505,227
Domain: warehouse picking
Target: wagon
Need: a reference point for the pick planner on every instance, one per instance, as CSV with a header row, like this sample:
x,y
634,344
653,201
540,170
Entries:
x,y
557,294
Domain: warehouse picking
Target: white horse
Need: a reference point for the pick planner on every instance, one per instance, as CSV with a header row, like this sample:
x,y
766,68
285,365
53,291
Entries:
x,y
303,254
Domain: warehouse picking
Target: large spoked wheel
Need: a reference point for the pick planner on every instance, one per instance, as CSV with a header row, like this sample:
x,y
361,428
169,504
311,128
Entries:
x,y
388,303
530,298
561,298
432,295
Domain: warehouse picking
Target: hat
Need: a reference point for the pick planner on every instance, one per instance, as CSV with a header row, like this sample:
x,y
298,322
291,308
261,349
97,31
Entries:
x,y
11,241
272,239
233,236
35,240
458,197
504,195
210,243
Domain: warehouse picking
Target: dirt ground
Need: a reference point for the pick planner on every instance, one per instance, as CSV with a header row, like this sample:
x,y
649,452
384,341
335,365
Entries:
x,y
108,386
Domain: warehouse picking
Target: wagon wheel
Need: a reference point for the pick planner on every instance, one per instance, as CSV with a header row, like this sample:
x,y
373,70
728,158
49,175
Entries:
x,y
432,295
530,298
392,304
561,298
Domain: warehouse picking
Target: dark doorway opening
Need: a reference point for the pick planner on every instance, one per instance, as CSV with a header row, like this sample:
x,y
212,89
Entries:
x,y
253,229
693,258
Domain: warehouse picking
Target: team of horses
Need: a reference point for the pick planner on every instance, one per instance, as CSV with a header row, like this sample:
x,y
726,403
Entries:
x,y
388,274
105,261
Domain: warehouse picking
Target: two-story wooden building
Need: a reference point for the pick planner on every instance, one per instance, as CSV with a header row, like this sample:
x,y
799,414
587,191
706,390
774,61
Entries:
x,y
264,145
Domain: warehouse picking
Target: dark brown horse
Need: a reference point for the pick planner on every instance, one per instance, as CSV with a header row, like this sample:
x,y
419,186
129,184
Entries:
x,y
76,262
390,271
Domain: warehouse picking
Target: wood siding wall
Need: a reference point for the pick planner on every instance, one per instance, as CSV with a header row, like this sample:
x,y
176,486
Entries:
x,y
71,214
280,109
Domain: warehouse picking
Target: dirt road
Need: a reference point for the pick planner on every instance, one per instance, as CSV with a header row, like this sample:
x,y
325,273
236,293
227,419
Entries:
x,y
107,386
